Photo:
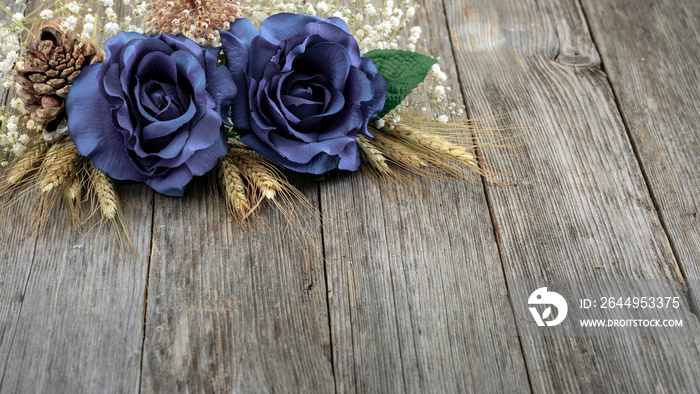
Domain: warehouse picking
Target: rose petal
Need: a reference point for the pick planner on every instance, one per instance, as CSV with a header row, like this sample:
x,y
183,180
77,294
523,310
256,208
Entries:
x,y
173,182
281,26
335,65
204,160
319,164
236,46
91,130
335,34
219,84
350,157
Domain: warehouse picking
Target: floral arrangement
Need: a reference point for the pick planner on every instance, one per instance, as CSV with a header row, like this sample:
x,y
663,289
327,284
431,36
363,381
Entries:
x,y
240,92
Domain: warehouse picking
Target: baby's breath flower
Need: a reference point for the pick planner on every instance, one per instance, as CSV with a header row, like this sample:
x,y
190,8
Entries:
x,y
111,15
443,119
24,139
439,91
17,104
18,149
370,10
46,14
73,7
111,29
69,23
322,7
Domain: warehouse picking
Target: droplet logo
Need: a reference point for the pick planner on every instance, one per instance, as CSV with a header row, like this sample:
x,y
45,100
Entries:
x,y
543,297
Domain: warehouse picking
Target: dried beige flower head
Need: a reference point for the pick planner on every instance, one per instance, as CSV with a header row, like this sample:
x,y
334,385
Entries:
x,y
199,20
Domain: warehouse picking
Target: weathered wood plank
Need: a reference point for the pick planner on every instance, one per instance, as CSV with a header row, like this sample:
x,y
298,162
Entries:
x,y
80,326
652,65
16,257
417,295
234,310
579,208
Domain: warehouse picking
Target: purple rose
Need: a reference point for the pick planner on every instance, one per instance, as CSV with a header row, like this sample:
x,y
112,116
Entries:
x,y
305,92
152,112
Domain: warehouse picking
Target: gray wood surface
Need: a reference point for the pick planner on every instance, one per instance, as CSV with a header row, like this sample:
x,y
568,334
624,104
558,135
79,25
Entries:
x,y
234,310
80,304
422,287
652,65
578,207
408,272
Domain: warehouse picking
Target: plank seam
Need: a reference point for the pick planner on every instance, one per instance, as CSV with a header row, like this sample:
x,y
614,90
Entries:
x,y
19,313
145,295
396,314
487,194
325,278
694,308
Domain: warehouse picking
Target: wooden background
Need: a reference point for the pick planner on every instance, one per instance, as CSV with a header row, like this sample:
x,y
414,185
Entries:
x,y
413,292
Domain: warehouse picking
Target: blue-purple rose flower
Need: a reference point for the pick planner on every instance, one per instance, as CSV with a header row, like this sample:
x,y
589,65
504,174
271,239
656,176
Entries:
x,y
152,112
305,91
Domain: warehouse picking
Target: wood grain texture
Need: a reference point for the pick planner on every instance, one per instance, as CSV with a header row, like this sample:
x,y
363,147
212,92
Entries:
x,y
234,310
417,296
80,326
652,65
16,257
578,207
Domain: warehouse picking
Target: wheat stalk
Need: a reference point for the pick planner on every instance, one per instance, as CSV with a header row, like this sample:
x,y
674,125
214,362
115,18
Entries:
x,y
58,166
398,152
104,189
234,143
31,159
253,168
372,155
434,143
234,188
74,191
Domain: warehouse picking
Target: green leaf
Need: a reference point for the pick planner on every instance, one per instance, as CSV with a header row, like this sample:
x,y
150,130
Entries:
x,y
403,72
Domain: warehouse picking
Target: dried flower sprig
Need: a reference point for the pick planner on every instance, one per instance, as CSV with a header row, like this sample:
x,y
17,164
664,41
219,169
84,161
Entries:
x,y
199,20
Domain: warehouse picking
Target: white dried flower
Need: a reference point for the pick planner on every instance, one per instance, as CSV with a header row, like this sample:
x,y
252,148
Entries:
x,y
440,91
12,56
17,104
443,119
73,7
111,29
322,7
24,139
46,14
69,23
111,15
370,10
18,149
11,125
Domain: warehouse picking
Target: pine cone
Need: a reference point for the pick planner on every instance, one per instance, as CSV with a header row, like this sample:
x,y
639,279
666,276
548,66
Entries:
x,y
50,65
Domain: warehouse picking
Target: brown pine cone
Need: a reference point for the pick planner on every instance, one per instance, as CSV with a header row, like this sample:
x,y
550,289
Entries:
x,y
49,66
